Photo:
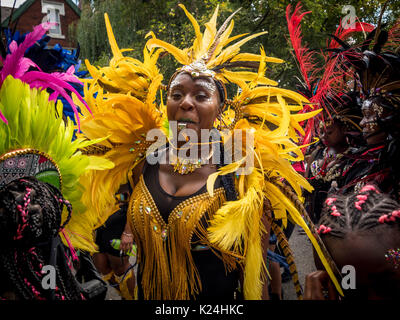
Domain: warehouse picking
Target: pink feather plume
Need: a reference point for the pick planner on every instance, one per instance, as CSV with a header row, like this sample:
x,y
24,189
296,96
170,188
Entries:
x,y
16,65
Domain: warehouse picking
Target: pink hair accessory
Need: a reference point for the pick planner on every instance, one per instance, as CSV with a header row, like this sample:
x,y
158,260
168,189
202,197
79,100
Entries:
x,y
382,219
329,201
389,217
361,199
323,229
369,187
335,213
396,213
24,214
70,246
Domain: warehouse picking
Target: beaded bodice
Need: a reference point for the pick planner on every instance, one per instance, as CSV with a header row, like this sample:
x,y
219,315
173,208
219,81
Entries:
x,y
328,167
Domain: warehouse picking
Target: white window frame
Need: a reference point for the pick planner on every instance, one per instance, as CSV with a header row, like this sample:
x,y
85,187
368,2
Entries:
x,y
52,7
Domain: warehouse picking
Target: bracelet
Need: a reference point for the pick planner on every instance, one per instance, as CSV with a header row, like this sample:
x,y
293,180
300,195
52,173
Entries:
x,y
127,234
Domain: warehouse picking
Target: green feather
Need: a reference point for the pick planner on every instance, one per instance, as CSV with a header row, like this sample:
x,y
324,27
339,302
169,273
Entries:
x,y
32,123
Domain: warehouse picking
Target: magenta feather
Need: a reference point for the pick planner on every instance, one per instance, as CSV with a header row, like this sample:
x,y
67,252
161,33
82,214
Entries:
x,y
16,65
24,65
3,118
67,76
38,79
12,65
53,96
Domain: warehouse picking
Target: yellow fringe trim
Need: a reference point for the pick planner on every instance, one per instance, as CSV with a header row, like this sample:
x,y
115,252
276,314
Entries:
x,y
164,249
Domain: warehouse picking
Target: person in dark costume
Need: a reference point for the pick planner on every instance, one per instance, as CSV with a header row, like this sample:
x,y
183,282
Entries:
x,y
336,128
377,74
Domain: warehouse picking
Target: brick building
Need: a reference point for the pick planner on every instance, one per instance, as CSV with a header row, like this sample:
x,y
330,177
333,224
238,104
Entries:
x,y
28,13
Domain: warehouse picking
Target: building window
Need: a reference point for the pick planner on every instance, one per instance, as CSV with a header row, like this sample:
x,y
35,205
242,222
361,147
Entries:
x,y
54,16
53,12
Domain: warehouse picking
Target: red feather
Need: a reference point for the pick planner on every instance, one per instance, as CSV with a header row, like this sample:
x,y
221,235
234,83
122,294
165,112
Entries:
x,y
393,37
304,56
329,77
325,81
343,34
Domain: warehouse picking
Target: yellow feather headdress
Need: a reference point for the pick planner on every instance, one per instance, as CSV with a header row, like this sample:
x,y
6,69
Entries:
x,y
209,55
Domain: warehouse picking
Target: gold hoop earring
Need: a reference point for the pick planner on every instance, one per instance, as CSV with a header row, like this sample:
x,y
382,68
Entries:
x,y
237,108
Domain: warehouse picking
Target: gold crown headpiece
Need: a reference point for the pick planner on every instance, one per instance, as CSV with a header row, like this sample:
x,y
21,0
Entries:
x,y
198,67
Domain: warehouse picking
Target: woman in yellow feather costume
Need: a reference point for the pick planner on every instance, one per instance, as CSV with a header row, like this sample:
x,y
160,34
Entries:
x,y
199,226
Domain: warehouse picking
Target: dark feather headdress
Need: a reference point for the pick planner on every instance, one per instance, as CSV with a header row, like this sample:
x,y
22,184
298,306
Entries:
x,y
376,66
324,83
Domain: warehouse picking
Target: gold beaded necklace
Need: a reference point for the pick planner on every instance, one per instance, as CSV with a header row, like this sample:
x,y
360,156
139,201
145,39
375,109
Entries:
x,y
187,165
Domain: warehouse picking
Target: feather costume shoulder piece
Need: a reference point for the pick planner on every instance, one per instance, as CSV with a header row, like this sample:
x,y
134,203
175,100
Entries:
x,y
122,97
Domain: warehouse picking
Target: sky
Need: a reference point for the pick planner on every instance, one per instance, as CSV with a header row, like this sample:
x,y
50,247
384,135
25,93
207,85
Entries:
x,y
9,3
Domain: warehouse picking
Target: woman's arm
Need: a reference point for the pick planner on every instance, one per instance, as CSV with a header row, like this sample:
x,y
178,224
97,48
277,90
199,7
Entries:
x,y
126,238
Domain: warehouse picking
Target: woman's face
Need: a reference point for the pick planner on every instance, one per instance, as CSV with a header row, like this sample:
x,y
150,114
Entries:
x,y
333,135
194,101
372,132
11,223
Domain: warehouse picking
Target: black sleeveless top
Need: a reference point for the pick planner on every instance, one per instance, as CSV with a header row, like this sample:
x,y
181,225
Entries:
x,y
216,282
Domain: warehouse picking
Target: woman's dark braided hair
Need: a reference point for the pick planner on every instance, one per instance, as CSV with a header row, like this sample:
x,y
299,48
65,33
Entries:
x,y
30,219
359,211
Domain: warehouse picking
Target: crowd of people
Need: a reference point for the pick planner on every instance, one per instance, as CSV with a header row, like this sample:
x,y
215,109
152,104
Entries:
x,y
95,171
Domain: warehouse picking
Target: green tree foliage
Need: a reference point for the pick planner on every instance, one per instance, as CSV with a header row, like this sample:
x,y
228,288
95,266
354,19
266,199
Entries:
x,y
133,19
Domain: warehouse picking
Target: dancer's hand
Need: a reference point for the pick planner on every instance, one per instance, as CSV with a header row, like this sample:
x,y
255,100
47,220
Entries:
x,y
318,286
126,242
